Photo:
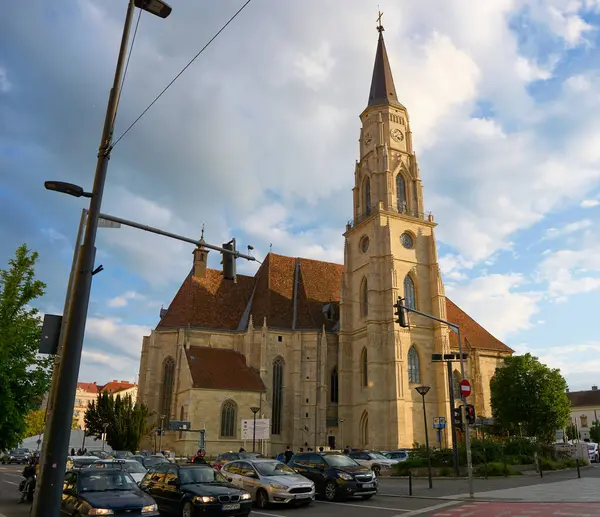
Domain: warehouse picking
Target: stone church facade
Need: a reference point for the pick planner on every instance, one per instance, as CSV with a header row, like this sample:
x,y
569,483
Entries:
x,y
314,344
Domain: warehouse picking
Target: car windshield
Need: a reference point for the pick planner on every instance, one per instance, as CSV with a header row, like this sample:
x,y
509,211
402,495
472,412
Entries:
x,y
339,460
591,446
273,468
106,481
83,462
133,467
150,462
377,456
16,452
200,475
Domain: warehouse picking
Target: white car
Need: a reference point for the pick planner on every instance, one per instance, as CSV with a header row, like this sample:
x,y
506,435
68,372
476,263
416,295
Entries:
x,y
133,467
376,461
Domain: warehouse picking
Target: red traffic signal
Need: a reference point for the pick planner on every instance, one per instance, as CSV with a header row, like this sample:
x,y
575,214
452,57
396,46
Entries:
x,y
470,415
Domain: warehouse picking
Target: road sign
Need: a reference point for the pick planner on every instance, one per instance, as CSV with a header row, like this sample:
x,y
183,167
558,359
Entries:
x,y
262,429
179,425
465,388
439,422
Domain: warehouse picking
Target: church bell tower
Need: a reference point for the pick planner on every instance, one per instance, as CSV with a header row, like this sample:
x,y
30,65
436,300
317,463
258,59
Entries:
x,y
390,251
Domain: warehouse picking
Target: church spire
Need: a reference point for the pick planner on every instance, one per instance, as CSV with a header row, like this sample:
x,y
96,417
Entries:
x,y
382,84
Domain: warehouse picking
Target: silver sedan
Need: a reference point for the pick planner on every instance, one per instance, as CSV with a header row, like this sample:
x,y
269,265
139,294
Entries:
x,y
270,481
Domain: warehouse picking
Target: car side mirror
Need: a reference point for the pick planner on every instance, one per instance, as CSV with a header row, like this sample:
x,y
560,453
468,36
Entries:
x,y
251,475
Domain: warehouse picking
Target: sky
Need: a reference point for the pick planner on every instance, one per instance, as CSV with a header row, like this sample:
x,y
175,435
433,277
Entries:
x,y
257,140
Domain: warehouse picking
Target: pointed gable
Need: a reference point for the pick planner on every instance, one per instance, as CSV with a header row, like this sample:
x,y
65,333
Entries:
x,y
473,333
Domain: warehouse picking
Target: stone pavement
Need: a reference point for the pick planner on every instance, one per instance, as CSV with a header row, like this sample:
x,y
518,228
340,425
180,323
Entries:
x,y
505,509
584,490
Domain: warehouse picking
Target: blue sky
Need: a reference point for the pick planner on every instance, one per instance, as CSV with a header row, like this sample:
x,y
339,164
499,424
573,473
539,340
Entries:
x,y
258,139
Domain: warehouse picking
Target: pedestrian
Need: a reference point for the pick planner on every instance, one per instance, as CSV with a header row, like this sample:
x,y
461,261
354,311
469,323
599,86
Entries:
x,y
199,458
242,449
72,451
321,449
347,449
288,454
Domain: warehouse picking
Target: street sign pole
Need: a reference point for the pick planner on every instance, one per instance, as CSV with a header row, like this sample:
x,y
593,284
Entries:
x,y
462,409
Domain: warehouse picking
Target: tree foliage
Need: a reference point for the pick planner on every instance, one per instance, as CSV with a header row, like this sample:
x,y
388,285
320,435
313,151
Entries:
x,y
35,422
529,396
595,431
126,422
24,374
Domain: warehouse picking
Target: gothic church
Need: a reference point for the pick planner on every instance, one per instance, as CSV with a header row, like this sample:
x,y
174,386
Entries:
x,y
313,344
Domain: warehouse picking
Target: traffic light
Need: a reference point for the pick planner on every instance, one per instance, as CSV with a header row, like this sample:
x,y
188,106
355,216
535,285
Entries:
x,y
470,414
457,417
229,261
401,313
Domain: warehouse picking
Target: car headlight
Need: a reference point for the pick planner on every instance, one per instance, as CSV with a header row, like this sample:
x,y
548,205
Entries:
x,y
277,486
245,496
343,475
203,499
100,511
150,508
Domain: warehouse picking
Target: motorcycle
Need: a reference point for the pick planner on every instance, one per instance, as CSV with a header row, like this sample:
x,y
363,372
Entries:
x,y
30,488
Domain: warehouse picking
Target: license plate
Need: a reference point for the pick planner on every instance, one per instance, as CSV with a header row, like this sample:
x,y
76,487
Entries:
x,y
303,496
368,485
233,506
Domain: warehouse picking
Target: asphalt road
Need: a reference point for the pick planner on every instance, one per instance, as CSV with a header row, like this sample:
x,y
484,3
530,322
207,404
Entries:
x,y
392,501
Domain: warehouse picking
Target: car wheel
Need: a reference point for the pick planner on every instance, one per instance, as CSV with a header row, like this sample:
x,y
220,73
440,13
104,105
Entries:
x,y
330,491
377,470
187,510
366,497
262,499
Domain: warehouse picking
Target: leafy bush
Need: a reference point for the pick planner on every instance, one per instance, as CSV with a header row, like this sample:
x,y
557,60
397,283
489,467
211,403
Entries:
x,y
495,469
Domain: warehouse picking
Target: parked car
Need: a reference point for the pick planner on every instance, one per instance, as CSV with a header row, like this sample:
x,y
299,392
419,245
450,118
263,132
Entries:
x,y
231,456
335,475
19,456
396,455
80,462
593,452
104,492
193,489
134,468
270,482
376,461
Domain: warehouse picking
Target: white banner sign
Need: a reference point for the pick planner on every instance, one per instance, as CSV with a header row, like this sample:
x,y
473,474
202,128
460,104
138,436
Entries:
x,y
263,427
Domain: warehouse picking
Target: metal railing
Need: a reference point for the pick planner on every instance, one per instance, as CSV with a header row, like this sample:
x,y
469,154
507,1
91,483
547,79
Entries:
x,y
404,210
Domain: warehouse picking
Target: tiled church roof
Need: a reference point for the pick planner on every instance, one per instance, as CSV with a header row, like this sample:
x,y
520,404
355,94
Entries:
x,y
221,369
214,303
584,398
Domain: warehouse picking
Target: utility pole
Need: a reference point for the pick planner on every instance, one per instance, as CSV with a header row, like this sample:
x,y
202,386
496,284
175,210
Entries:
x,y
401,313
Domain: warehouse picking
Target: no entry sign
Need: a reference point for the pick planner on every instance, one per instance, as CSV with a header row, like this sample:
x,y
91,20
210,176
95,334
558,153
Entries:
x,y
465,388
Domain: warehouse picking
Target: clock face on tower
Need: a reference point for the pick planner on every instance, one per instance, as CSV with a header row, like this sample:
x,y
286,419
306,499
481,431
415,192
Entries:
x,y
397,135
368,139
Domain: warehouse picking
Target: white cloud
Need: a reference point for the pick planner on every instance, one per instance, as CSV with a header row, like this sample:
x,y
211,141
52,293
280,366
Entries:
x,y
315,67
124,299
5,85
529,72
567,229
496,304
452,266
114,333
589,203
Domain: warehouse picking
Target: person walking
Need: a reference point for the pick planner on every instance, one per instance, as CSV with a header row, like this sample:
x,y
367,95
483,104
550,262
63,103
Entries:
x,y
288,454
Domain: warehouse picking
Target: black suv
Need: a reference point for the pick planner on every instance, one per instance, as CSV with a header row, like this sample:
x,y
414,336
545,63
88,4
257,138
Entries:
x,y
336,476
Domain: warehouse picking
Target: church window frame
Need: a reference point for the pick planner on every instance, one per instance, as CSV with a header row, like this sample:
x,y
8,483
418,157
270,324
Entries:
x,y
364,368
401,193
277,405
166,390
364,298
228,419
368,208
334,394
583,421
410,292
414,366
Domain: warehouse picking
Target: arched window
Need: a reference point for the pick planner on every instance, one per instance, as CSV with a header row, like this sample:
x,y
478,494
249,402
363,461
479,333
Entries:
x,y
364,372
367,196
228,418
277,396
363,430
334,387
401,193
166,390
456,384
584,421
414,372
409,292
364,298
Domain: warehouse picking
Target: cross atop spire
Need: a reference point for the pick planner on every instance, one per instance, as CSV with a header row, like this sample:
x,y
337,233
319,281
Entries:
x,y
379,26
383,91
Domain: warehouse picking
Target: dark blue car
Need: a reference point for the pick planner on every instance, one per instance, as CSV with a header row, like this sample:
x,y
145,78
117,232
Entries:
x,y
108,489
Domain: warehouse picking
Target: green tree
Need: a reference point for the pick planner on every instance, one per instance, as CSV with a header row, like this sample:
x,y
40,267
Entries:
x,y
24,374
35,422
125,422
530,396
572,432
595,431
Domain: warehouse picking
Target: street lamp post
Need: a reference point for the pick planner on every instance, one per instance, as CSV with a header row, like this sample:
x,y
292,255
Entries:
x,y
422,390
161,431
49,492
254,410
104,436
